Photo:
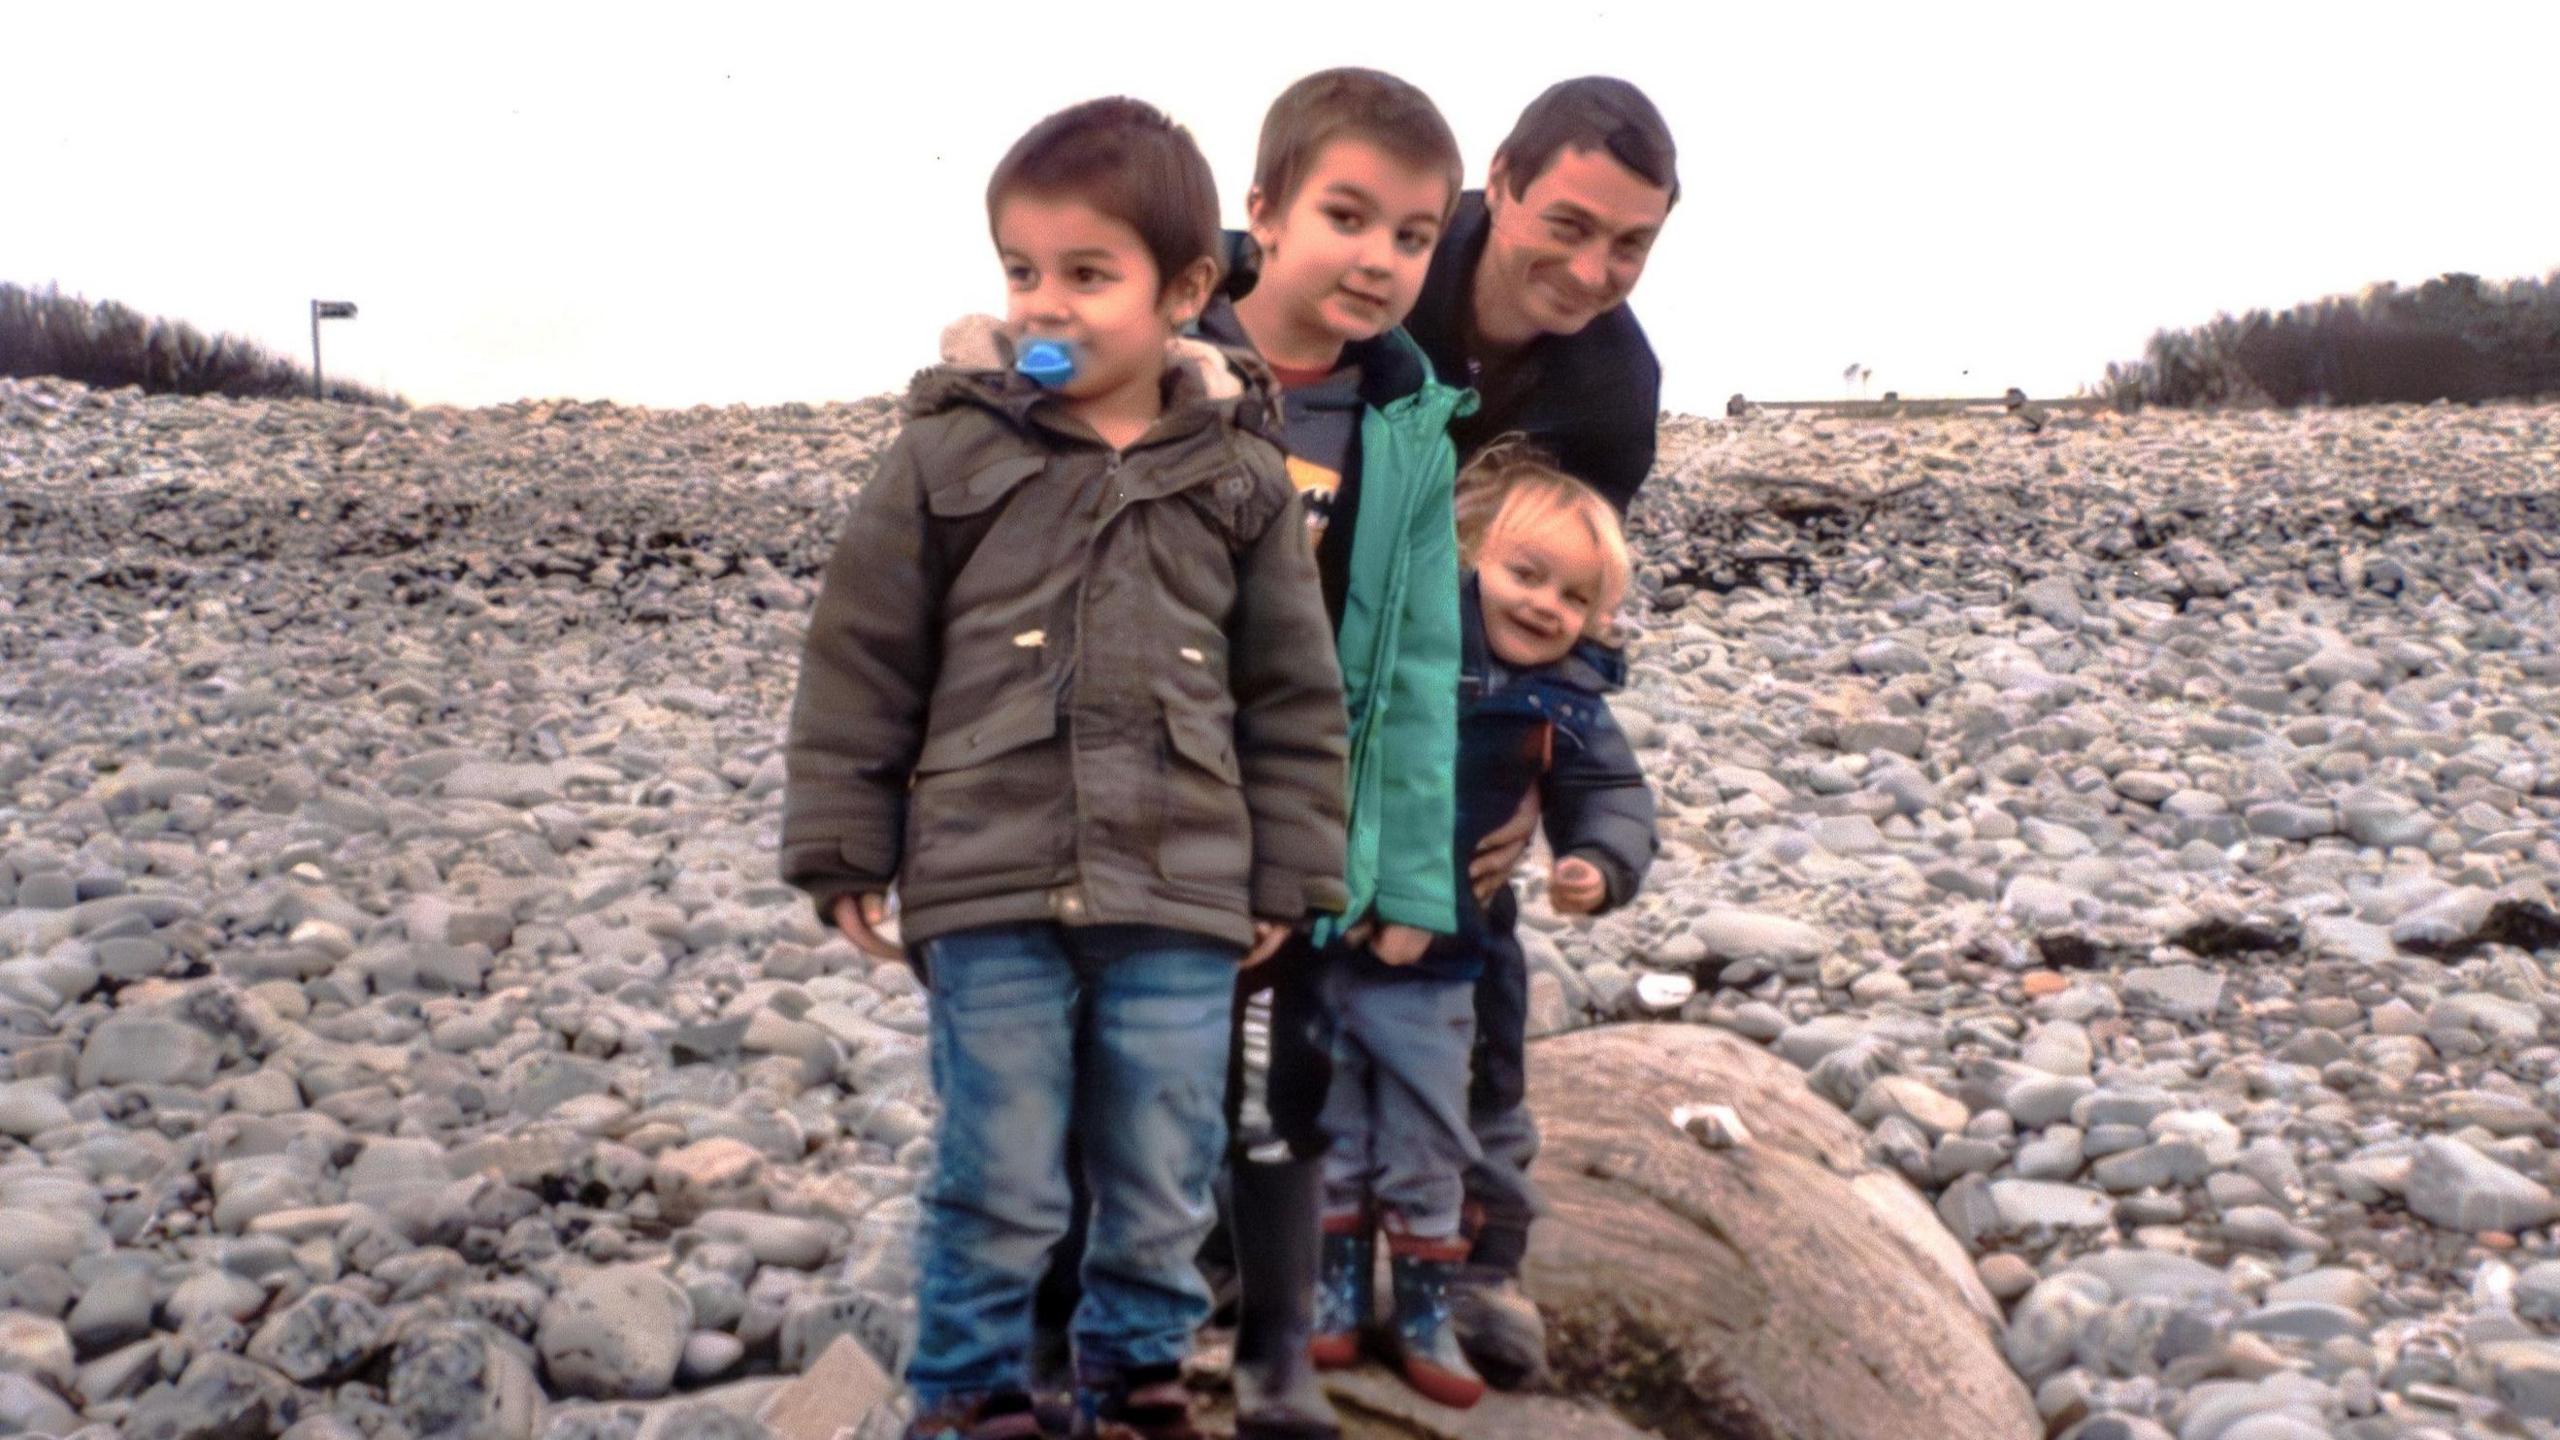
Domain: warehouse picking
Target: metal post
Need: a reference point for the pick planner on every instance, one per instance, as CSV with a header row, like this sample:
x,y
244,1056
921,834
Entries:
x,y
325,310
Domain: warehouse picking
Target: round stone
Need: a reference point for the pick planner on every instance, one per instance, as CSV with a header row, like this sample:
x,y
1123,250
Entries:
x,y
615,1332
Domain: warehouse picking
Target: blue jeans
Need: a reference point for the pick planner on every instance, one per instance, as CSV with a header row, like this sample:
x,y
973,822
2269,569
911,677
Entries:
x,y
1121,1031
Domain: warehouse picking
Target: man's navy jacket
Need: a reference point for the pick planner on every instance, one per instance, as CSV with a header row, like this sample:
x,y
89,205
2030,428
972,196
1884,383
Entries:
x,y
1591,399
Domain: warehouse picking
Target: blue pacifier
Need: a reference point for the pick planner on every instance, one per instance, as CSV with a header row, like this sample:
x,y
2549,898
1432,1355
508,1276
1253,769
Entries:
x,y
1048,364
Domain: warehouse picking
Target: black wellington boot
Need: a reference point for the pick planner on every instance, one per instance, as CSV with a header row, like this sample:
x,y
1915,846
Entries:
x,y
1279,1396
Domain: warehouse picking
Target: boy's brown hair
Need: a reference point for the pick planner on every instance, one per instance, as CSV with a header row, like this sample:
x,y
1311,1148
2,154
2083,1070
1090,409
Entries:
x,y
1512,484
1596,112
1358,104
1128,160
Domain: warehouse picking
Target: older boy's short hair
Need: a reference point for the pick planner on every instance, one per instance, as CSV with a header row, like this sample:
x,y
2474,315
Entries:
x,y
1128,160
1596,112
1360,104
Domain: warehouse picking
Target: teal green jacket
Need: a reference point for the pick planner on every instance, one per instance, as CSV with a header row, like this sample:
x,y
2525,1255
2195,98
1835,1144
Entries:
x,y
1399,646
1398,636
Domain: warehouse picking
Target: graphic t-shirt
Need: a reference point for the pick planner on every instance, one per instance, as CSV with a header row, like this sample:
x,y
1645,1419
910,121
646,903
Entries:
x,y
1319,424
1320,428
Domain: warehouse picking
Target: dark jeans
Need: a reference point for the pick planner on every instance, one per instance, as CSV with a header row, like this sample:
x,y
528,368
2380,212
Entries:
x,y
1498,1186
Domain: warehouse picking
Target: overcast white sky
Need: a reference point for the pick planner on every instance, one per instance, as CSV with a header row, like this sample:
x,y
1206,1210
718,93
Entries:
x,y
676,205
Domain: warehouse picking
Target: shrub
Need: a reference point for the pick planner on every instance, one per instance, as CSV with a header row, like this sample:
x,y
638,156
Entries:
x,y
2453,338
45,332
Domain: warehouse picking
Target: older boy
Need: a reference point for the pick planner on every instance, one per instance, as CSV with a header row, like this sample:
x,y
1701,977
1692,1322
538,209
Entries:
x,y
1354,178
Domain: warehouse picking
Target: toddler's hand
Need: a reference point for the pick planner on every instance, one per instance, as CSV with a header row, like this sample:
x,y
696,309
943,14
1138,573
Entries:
x,y
1267,938
1576,887
860,918
1399,944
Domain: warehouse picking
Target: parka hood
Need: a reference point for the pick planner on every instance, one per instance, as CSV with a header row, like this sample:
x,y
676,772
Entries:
x,y
977,369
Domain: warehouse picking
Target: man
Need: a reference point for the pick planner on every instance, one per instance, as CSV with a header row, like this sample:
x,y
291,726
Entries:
x,y
1526,299
1526,302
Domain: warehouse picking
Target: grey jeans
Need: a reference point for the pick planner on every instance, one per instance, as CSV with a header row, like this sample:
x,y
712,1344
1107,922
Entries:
x,y
1396,1116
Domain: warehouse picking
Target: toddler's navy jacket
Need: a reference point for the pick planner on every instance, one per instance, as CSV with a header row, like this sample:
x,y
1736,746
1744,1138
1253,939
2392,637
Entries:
x,y
1549,727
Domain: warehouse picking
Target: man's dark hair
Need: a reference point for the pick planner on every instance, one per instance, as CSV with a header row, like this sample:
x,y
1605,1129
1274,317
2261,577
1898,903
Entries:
x,y
1356,104
1595,112
1126,159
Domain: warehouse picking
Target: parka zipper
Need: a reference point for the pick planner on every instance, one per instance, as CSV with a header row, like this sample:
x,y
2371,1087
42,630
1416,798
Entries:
x,y
1071,905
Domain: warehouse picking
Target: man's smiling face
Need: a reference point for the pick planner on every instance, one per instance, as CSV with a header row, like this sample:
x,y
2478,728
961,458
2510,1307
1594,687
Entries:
x,y
1566,250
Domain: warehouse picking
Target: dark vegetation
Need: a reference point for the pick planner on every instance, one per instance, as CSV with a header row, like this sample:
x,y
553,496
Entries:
x,y
45,332
2456,337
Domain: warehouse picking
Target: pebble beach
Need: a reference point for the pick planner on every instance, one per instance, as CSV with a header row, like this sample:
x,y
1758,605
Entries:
x,y
2144,826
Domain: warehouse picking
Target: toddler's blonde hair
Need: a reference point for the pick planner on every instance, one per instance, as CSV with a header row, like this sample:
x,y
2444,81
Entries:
x,y
1512,485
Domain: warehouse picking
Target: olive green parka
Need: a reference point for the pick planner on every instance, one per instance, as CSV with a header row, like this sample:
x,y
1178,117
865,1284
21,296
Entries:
x,y
1045,680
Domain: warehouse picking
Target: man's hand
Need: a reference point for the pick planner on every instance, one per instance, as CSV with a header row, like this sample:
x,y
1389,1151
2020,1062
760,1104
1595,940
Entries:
x,y
1399,945
1267,938
1576,887
1498,854
860,918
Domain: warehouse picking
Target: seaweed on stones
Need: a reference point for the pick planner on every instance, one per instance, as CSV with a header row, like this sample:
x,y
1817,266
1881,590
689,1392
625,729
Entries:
x,y
2215,938
2524,924
2068,950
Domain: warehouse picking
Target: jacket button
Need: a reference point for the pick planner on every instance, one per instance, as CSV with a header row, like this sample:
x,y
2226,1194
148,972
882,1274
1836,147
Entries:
x,y
1068,904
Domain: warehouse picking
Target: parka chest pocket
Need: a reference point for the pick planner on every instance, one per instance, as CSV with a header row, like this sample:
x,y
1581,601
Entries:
x,y
972,491
1207,835
967,505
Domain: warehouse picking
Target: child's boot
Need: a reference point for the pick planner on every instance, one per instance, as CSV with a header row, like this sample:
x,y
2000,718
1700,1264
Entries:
x,y
1498,1327
1277,1249
1006,1415
1346,1298
1426,1342
1149,1403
